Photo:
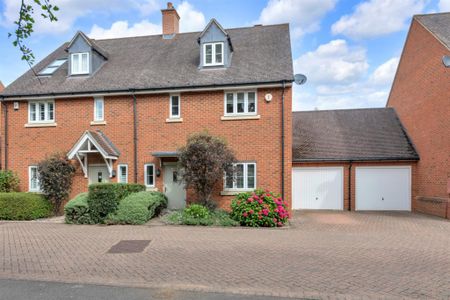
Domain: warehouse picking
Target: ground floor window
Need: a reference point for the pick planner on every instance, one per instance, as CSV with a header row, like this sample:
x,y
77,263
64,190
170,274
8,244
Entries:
x,y
149,174
33,183
122,173
243,177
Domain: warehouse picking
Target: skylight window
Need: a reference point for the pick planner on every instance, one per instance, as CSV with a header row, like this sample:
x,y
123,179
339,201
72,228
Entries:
x,y
51,68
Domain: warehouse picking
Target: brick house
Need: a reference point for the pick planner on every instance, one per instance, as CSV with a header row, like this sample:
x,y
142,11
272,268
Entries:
x,y
120,108
420,94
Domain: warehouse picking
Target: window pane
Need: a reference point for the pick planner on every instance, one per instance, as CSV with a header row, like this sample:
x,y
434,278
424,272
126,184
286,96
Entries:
x,y
218,53
208,54
50,111
84,63
99,106
41,111
175,106
251,176
240,102
33,112
229,180
123,174
239,176
150,180
251,102
230,103
75,63
34,180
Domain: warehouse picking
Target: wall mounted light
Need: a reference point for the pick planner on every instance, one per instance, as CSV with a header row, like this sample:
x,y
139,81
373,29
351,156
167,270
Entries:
x,y
158,172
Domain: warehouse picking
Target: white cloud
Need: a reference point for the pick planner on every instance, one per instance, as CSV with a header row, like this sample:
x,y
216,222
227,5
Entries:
x,y
148,7
385,73
304,16
333,63
378,17
190,19
121,29
444,5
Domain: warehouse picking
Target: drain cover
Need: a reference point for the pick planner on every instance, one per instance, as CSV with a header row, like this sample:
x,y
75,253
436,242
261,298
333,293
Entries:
x,y
129,246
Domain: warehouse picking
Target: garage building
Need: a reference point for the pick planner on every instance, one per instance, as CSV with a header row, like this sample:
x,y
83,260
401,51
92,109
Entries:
x,y
361,159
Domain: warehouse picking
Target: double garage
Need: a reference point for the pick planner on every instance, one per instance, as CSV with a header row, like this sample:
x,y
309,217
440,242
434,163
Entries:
x,y
351,159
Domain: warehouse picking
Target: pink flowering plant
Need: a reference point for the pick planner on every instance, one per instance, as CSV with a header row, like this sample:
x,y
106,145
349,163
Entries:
x,y
260,208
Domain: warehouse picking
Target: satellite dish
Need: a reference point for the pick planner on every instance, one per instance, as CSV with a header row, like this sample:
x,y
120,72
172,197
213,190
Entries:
x,y
300,79
446,61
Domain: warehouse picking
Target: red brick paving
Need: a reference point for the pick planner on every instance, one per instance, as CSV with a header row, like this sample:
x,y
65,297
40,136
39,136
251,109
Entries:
x,y
322,255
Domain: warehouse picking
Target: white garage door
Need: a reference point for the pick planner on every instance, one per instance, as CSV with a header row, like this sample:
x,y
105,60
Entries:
x,y
317,188
383,188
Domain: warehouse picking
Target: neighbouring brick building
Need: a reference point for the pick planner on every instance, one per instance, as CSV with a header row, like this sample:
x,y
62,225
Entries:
x,y
120,108
421,96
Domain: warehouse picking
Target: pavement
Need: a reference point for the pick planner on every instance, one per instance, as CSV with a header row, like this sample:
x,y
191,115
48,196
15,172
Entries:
x,y
339,255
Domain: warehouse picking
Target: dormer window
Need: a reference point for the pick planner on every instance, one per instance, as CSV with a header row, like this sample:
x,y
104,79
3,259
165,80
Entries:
x,y
80,63
213,54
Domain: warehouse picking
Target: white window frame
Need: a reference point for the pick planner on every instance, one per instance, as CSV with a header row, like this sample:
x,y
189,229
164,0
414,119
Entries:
x,y
245,188
80,64
99,99
46,111
172,116
145,175
213,51
119,173
235,103
38,188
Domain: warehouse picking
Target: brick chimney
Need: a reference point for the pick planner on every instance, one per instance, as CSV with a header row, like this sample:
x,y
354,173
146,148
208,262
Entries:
x,y
170,21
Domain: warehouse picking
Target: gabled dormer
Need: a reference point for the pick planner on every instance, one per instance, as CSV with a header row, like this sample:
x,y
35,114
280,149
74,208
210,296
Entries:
x,y
85,57
215,46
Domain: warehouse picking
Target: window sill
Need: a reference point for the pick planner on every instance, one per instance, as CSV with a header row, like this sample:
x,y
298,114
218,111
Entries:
x,y
94,123
237,117
33,125
174,120
151,189
235,192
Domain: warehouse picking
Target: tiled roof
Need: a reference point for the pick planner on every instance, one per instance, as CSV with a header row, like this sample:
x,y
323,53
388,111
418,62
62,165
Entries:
x,y
104,142
438,24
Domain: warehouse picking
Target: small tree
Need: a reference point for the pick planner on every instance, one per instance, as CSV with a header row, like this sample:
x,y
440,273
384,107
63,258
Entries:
x,y
9,181
204,160
55,179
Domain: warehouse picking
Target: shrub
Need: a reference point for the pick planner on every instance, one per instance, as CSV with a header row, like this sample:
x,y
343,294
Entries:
x,y
77,210
260,208
103,198
9,182
138,208
24,206
55,179
196,211
195,215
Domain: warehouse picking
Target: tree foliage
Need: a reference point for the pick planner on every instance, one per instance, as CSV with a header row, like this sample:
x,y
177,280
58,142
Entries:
x,y
204,160
26,21
55,179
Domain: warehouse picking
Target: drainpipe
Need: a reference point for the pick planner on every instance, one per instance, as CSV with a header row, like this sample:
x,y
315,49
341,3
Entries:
x,y
282,140
5,137
135,139
350,186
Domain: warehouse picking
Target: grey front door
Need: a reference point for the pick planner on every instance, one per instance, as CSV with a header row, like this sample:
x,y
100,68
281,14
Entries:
x,y
98,174
174,188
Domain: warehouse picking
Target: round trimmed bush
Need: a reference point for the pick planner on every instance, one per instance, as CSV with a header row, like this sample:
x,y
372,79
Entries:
x,y
196,211
259,209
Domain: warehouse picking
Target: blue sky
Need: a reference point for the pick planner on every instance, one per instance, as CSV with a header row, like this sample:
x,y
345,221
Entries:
x,y
349,50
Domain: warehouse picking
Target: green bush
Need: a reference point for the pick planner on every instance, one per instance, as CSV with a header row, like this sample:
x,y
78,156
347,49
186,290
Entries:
x,y
24,206
9,182
196,211
104,198
197,216
138,208
77,210
259,208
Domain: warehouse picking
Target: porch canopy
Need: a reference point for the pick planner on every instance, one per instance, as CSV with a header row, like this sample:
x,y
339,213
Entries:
x,y
94,142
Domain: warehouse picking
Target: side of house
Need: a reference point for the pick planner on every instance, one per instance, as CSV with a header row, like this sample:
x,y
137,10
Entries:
x,y
421,96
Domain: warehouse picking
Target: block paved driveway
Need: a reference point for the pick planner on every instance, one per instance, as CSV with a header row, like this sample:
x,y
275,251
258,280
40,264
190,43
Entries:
x,y
337,255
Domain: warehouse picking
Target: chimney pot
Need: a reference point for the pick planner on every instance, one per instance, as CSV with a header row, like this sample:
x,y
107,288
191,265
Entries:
x,y
170,21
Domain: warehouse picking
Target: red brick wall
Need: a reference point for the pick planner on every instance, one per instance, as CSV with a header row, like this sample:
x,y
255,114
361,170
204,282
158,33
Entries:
x,y
345,165
421,96
256,140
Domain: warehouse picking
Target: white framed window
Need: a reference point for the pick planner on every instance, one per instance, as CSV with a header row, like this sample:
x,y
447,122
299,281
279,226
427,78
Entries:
x,y
33,179
41,111
99,109
241,103
79,63
213,54
175,106
243,178
122,173
149,175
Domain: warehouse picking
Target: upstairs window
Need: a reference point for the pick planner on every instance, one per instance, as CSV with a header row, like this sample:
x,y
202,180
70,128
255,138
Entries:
x,y
80,63
33,177
240,103
243,178
99,107
41,111
175,112
213,54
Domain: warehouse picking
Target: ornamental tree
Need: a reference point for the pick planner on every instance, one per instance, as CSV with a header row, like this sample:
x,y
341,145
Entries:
x,y
55,179
203,161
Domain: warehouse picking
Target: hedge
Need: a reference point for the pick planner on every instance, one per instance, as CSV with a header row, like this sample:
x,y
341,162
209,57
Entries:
x,y
138,208
77,210
24,206
103,198
9,182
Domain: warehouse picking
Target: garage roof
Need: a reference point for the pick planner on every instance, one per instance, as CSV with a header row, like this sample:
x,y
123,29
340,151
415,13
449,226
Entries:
x,y
353,134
